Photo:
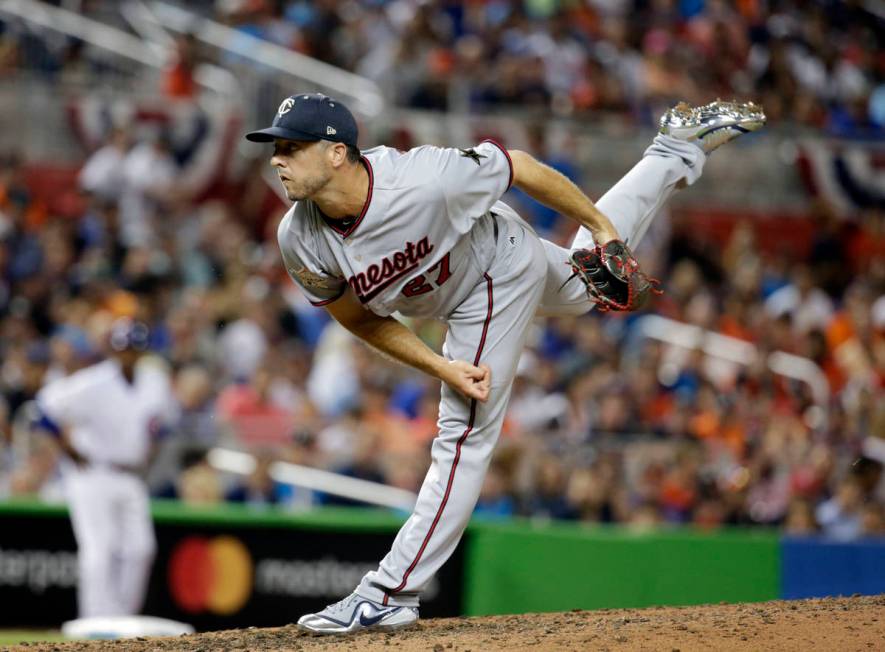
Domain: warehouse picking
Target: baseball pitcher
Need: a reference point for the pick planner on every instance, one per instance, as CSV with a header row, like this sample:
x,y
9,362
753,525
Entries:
x,y
425,233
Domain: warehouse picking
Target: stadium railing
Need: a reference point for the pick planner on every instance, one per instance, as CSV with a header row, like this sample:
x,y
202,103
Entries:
x,y
307,477
732,349
276,70
120,44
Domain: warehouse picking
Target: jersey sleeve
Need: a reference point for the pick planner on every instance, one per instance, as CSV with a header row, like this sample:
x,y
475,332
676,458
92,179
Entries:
x,y
305,267
474,179
62,403
160,397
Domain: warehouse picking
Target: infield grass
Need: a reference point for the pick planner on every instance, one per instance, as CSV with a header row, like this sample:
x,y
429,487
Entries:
x,y
15,636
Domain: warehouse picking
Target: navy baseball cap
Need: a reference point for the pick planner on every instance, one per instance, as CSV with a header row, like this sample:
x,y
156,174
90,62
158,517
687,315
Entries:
x,y
310,116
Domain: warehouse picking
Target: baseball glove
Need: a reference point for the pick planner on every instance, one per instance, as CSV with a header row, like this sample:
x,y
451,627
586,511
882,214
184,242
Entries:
x,y
612,276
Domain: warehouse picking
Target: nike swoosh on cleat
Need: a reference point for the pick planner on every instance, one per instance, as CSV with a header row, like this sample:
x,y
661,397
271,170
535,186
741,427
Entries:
x,y
368,621
725,126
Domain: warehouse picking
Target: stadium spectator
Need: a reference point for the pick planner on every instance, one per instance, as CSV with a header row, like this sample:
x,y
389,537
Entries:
x,y
102,175
800,519
808,307
257,489
149,172
178,79
840,517
495,502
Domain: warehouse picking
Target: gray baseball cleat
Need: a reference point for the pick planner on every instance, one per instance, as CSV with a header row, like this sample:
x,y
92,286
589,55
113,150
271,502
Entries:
x,y
356,613
713,124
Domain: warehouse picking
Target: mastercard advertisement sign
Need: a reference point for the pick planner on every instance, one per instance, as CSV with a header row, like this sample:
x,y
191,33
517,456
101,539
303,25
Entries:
x,y
210,574
217,577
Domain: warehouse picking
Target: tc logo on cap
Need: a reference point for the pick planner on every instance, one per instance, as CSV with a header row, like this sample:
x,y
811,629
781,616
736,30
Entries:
x,y
287,104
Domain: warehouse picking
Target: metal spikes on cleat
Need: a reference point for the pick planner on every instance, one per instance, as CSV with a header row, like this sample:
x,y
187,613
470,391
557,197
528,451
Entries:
x,y
713,124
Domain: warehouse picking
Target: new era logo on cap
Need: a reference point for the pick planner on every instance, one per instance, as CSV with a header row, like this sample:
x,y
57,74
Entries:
x,y
309,117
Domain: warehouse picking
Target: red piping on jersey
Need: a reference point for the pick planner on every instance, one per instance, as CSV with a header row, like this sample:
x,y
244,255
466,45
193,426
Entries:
x,y
442,506
507,154
328,301
335,223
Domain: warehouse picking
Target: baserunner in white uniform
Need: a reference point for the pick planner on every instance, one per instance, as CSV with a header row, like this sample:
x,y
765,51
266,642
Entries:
x,y
424,233
105,417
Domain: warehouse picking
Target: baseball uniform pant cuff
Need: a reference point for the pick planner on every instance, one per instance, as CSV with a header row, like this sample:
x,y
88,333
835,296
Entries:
x,y
691,155
376,595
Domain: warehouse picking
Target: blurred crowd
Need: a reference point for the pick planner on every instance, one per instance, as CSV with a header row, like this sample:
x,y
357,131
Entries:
x,y
817,63
605,424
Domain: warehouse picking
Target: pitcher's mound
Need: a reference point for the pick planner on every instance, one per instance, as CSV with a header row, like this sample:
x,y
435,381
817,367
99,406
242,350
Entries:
x,y
843,624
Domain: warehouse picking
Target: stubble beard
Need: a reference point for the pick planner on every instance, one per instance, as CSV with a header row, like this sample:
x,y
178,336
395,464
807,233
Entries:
x,y
308,187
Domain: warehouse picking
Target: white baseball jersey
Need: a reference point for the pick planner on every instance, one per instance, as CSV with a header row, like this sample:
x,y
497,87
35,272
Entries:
x,y
422,241
110,419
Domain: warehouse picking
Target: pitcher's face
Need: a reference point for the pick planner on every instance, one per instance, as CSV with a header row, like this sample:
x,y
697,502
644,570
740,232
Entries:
x,y
302,166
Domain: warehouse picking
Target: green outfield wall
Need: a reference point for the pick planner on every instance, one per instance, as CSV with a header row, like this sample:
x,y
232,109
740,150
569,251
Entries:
x,y
519,568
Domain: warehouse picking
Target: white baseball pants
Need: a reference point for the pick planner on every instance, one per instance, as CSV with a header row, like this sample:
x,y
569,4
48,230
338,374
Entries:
x,y
110,513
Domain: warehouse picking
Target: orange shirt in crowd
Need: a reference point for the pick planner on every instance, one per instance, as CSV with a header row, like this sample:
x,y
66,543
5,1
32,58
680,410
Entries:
x,y
178,82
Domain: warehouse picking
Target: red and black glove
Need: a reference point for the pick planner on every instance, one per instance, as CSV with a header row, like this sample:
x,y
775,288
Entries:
x,y
612,276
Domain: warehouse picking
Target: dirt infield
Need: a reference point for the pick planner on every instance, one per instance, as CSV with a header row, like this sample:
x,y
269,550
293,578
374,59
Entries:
x,y
843,624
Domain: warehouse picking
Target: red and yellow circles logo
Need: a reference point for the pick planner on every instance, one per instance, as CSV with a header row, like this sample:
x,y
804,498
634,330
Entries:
x,y
210,575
